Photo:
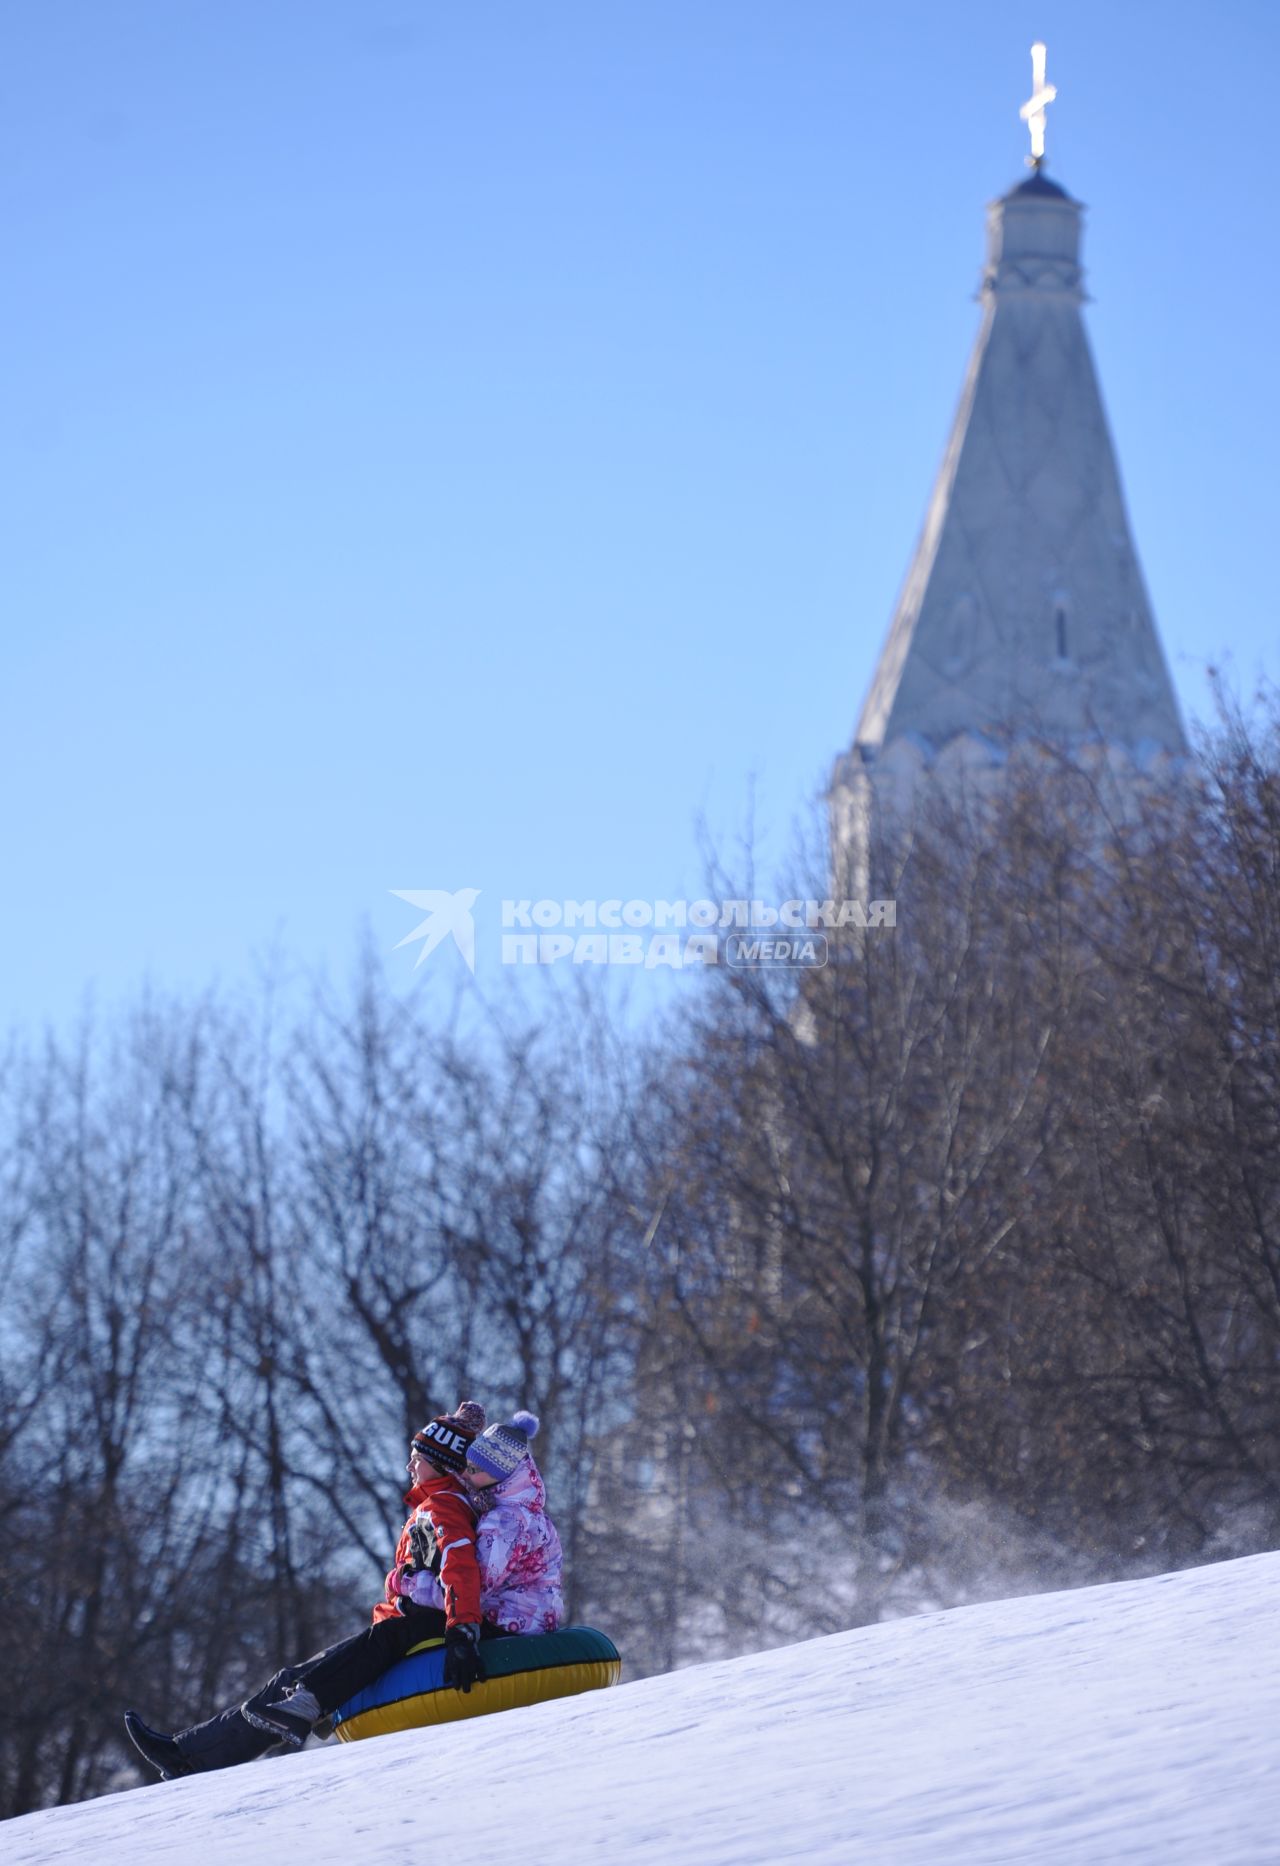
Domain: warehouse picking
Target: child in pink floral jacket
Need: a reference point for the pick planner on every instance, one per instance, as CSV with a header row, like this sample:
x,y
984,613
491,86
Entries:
x,y
517,1547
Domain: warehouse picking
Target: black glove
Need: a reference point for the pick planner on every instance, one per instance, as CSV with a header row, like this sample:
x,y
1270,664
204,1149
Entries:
x,y
422,1541
463,1666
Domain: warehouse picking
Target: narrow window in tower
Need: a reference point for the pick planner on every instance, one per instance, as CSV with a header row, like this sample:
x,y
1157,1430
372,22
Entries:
x,y
1060,625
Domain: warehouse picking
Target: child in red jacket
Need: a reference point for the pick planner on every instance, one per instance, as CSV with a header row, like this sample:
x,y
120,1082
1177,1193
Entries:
x,y
441,1529
439,1534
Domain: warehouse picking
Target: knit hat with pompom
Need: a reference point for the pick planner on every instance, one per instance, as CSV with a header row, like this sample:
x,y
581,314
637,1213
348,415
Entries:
x,y
499,1450
445,1441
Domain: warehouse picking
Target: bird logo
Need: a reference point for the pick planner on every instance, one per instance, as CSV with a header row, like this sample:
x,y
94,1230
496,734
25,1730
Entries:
x,y
446,913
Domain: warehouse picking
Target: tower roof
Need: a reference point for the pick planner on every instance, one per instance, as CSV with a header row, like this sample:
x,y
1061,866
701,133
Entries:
x,y
1024,608
1038,184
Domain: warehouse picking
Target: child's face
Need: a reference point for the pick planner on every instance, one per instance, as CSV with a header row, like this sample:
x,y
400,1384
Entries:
x,y
419,1469
478,1479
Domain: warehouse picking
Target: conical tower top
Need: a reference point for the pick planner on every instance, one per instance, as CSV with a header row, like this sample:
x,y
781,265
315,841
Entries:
x,y
1024,611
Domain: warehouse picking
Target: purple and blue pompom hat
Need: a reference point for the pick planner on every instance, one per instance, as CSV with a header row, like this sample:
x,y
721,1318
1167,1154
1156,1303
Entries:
x,y
501,1448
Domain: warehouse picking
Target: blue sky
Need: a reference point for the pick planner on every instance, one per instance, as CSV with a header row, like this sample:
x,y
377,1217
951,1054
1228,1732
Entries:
x,y
450,447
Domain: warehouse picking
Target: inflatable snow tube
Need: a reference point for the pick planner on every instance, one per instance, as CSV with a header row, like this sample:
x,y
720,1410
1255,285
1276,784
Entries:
x,y
527,1669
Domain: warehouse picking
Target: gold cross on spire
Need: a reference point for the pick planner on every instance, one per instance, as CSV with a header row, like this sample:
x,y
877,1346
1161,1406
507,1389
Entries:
x,y
1032,112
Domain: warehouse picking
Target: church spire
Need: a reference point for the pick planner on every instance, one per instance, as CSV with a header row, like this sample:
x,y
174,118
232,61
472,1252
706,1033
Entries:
x,y
1024,612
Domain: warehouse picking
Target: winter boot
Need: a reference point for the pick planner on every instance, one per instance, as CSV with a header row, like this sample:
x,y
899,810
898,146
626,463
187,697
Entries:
x,y
288,1715
160,1751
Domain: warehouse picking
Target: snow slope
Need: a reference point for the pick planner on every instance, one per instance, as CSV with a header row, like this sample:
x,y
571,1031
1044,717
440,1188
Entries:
x,y
1139,1722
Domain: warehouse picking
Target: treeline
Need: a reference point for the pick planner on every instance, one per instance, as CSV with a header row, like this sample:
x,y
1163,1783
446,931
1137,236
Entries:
x,y
969,1252
241,1267
950,1268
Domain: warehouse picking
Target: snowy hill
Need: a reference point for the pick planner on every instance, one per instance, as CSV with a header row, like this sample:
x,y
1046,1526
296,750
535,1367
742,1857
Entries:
x,y
1139,1722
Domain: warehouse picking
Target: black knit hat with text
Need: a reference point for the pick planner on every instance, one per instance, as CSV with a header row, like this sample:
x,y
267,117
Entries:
x,y
445,1440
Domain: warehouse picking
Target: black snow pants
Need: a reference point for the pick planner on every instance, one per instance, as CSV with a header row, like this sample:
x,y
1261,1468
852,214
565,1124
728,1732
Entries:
x,y
332,1676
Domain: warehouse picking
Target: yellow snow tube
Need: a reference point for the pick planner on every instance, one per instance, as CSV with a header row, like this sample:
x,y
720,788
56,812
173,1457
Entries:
x,y
528,1669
